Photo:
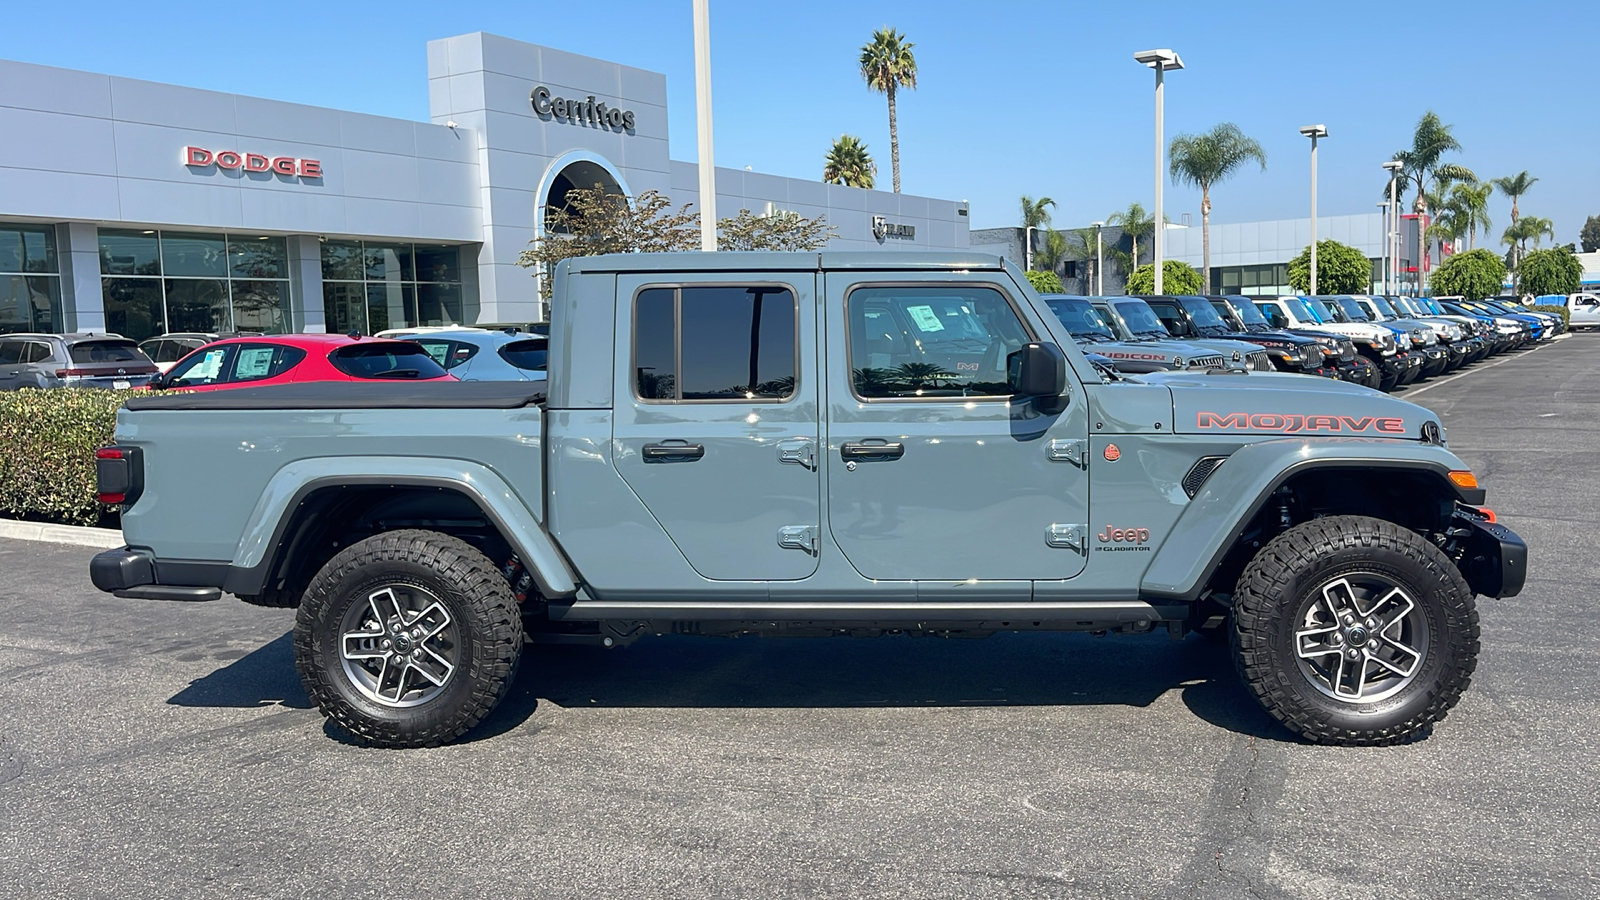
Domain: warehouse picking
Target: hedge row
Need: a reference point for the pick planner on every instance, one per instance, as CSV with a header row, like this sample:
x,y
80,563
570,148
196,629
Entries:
x,y
47,444
1566,316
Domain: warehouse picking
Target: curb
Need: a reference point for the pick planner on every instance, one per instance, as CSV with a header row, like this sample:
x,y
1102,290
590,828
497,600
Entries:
x,y
106,538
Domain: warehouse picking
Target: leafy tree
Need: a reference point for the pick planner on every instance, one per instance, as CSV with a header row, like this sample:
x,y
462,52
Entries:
x,y
1178,278
1590,235
1429,142
1553,271
1046,282
594,221
1475,274
848,163
887,65
1202,160
1514,186
779,231
1136,223
1341,269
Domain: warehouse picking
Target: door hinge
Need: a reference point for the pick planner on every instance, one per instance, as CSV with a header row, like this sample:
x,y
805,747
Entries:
x,y
1069,537
798,451
1069,451
798,537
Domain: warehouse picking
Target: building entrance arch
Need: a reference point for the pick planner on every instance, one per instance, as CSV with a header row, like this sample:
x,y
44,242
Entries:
x,y
579,169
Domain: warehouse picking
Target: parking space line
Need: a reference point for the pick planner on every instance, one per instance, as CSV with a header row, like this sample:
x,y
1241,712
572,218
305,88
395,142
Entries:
x,y
1412,393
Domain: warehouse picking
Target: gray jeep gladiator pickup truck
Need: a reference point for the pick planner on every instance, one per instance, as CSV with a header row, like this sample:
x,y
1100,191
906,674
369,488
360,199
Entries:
x,y
816,443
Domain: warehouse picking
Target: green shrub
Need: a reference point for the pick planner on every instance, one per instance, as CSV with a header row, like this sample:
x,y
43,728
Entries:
x,y
47,444
1566,316
1177,279
1046,282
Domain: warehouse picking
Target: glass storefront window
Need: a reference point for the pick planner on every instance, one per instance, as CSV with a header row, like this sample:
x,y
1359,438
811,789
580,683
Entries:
x,y
159,282
264,257
30,289
129,253
371,287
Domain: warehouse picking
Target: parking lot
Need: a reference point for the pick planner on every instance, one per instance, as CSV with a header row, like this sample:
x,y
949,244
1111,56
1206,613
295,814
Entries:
x,y
151,749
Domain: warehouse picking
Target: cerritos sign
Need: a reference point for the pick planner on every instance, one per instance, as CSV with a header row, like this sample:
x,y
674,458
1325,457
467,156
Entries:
x,y
587,111
292,166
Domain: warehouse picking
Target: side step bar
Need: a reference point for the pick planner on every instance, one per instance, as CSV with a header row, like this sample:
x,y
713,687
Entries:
x,y
994,615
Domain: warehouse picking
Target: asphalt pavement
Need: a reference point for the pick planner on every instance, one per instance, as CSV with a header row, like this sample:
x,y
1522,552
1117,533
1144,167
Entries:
x,y
167,750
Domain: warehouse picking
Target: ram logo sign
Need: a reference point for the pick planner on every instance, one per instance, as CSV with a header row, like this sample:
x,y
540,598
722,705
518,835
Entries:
x,y
1293,423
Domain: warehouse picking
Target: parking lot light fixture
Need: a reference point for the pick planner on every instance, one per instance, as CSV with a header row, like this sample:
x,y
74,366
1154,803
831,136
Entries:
x,y
1391,238
1314,132
1162,61
1099,267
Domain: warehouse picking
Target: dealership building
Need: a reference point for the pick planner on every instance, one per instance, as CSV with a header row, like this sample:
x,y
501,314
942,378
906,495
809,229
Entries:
x,y
141,208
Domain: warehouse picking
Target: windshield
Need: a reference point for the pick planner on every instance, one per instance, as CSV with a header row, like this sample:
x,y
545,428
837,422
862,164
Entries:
x,y
1302,306
1248,314
1081,319
1204,315
1352,309
1384,307
1140,318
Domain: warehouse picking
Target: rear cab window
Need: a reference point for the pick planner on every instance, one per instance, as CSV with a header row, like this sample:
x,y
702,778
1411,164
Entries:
x,y
388,360
710,343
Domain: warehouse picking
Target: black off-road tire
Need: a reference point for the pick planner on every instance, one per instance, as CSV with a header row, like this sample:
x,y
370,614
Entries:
x,y
487,644
1291,570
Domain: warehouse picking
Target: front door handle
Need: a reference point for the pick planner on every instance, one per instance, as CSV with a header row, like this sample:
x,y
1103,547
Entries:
x,y
673,451
874,450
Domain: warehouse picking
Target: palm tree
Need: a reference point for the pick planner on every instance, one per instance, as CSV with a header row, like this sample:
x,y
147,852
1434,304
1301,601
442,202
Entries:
x,y
1525,229
1460,213
888,65
1430,141
1081,244
848,163
1049,257
1035,213
1202,160
1514,186
1136,223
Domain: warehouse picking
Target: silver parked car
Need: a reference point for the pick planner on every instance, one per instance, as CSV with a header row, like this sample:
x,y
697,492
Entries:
x,y
166,350
72,360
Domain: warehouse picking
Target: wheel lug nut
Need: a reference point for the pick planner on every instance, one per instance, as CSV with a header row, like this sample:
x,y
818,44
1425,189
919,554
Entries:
x,y
416,632
386,643
417,653
1353,653
1349,619
1338,638
1372,623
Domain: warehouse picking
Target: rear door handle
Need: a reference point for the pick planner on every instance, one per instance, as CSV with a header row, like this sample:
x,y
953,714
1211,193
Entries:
x,y
673,451
873,449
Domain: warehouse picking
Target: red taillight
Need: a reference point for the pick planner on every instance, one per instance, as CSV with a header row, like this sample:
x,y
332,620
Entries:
x,y
108,453
111,498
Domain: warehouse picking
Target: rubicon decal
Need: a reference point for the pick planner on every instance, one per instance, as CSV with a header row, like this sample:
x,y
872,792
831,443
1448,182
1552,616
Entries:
x,y
200,158
1112,354
1125,538
1293,423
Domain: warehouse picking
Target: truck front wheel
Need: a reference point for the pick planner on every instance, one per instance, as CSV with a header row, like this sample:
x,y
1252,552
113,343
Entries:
x,y
408,638
1355,631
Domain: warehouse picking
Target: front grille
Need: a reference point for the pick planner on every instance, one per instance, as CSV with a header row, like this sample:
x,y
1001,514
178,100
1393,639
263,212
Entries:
x,y
1205,362
1259,361
1347,351
1199,472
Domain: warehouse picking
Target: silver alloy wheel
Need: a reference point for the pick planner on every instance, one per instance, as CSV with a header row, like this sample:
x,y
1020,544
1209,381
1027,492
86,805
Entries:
x,y
400,647
1361,638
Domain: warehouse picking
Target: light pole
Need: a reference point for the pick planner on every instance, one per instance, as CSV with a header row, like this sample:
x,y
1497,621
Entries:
x,y
1383,215
1161,61
1314,132
1099,268
1391,238
1027,248
702,103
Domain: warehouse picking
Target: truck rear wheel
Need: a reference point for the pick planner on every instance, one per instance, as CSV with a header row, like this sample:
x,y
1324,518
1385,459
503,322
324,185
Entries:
x,y
1355,631
408,638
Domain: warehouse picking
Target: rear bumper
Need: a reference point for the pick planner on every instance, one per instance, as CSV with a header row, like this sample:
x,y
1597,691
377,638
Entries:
x,y
1494,560
132,574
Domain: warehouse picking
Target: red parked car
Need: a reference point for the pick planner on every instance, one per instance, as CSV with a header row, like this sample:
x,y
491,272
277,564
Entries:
x,y
298,358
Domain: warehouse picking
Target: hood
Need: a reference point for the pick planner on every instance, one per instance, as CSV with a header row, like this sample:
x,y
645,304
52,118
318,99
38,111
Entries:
x,y
1285,404
1175,354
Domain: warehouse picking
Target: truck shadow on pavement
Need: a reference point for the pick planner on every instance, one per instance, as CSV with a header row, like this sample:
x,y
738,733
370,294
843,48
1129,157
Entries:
x,y
805,673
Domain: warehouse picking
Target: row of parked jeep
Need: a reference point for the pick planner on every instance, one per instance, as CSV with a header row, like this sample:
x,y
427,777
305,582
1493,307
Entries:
x,y
1379,342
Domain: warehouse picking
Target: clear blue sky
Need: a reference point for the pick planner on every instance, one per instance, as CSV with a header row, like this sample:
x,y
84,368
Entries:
x,y
1013,98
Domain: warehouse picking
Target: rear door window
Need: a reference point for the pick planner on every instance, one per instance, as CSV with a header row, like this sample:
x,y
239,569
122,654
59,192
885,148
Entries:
x,y
446,353
37,352
530,355
256,362
91,352
10,353
388,360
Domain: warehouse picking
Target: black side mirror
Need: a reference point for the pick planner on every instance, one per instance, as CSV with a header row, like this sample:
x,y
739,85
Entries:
x,y
1039,372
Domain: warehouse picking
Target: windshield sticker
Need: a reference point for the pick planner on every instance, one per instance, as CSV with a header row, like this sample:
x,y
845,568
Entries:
x,y
1292,423
925,317
255,362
